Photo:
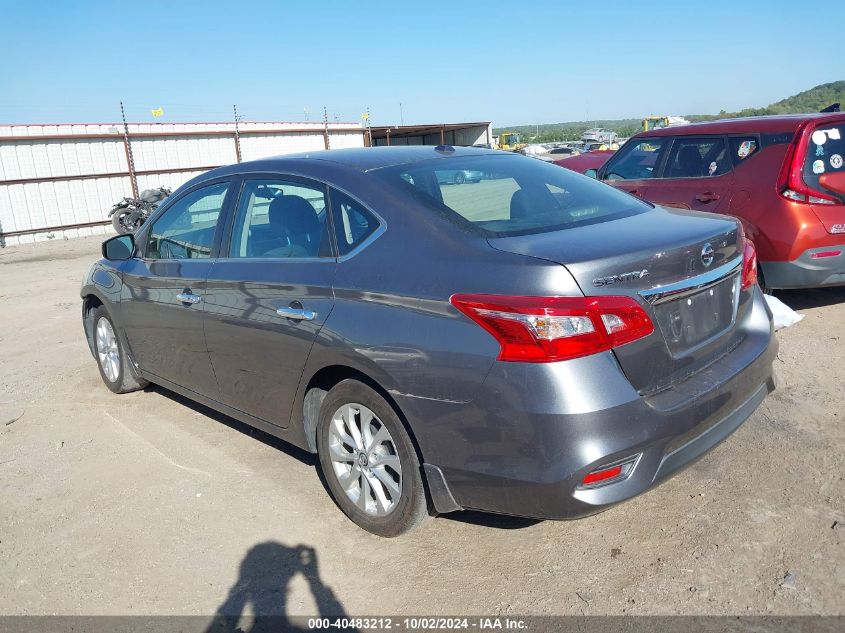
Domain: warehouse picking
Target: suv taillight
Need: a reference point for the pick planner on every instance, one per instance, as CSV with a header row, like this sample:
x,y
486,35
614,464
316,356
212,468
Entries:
x,y
548,329
791,183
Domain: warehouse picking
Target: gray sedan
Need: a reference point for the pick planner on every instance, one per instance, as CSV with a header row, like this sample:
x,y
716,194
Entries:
x,y
538,344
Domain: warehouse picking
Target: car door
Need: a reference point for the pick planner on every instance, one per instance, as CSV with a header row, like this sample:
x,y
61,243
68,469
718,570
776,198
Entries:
x,y
634,166
164,287
269,293
697,175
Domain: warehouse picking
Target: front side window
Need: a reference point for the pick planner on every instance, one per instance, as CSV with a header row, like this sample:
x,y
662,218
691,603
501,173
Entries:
x,y
514,195
352,222
697,158
186,229
636,160
280,219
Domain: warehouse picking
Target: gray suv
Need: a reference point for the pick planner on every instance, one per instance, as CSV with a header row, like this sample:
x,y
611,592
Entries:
x,y
535,344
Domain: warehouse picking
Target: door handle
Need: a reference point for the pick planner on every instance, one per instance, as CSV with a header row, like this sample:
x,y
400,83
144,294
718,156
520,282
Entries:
x,y
187,297
298,314
708,196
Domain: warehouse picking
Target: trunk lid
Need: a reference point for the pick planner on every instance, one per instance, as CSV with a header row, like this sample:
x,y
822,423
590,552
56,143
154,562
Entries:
x,y
660,258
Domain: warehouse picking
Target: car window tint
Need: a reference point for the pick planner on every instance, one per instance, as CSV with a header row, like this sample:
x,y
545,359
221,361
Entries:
x,y
697,158
353,223
515,196
742,147
635,160
279,219
825,155
186,229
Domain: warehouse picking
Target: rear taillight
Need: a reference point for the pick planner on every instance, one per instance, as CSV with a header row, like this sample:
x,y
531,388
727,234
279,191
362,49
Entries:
x,y
749,264
548,329
791,183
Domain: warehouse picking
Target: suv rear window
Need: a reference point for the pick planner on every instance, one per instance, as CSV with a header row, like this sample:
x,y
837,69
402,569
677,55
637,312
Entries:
x,y
502,195
826,154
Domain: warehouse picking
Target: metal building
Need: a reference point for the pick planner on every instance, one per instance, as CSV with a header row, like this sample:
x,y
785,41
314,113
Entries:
x,y
464,134
61,180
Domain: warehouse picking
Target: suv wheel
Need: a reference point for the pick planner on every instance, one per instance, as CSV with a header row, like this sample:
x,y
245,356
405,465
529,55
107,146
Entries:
x,y
369,462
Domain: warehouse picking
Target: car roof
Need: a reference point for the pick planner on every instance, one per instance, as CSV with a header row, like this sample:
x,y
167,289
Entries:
x,y
769,123
366,158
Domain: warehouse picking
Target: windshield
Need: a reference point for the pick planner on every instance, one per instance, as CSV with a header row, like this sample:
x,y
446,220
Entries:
x,y
512,195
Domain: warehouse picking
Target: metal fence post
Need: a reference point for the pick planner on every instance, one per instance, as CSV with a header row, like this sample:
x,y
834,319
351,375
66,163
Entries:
x,y
127,147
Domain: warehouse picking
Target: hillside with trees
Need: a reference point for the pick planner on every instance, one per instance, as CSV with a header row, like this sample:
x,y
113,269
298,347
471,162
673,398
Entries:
x,y
811,100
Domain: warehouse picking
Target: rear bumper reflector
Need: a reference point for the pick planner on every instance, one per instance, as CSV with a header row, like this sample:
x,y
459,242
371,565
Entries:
x,y
822,254
610,474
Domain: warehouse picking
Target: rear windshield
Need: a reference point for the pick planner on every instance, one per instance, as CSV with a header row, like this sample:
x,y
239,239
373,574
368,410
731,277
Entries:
x,y
826,154
503,195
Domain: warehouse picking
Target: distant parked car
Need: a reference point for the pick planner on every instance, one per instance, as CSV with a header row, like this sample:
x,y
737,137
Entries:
x,y
782,176
549,348
589,161
565,151
458,176
599,135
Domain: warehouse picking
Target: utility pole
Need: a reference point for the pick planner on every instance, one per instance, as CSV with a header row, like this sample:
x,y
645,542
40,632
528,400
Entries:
x,y
127,146
401,115
326,141
237,134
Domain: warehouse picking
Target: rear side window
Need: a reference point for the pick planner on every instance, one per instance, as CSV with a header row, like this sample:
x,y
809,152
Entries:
x,y
826,154
186,229
278,219
697,158
635,160
352,222
743,147
502,195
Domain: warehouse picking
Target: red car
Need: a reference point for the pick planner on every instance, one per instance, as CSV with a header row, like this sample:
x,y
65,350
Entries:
x,y
782,176
586,161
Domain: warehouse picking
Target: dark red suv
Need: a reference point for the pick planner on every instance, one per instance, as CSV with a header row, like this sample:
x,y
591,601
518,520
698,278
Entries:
x,y
782,176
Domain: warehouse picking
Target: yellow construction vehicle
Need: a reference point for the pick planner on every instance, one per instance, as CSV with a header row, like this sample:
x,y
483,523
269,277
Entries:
x,y
511,141
659,121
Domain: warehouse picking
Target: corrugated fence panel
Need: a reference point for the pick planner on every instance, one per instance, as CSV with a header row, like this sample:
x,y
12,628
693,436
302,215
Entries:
x,y
53,181
261,146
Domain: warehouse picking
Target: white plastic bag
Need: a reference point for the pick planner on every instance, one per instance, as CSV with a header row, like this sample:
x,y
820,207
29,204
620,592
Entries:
x,y
782,315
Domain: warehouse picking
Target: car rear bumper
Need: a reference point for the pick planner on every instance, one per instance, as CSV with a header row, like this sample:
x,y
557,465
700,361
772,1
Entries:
x,y
531,463
807,271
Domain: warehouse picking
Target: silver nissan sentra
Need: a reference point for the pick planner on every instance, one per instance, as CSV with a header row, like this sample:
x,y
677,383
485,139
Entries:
x,y
534,343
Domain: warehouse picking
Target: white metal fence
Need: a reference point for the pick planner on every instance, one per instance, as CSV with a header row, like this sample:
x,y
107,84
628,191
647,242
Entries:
x,y
61,180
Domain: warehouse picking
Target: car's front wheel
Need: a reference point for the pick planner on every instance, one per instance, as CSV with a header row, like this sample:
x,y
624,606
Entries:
x,y
115,368
369,462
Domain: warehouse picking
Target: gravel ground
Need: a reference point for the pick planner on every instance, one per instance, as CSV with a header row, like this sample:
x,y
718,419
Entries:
x,y
149,504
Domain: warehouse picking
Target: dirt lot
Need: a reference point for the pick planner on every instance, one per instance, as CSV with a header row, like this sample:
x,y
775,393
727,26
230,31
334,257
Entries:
x,y
146,503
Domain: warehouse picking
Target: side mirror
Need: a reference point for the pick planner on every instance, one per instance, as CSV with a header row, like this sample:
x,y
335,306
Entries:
x,y
592,173
119,247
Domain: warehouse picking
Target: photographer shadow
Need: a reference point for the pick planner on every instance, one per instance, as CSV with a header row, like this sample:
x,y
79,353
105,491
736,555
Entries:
x,y
262,585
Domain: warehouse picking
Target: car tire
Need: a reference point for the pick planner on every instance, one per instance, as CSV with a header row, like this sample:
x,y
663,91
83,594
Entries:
x,y
116,369
761,281
460,177
382,492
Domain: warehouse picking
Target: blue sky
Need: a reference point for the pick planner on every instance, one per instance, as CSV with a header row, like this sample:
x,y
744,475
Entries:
x,y
509,62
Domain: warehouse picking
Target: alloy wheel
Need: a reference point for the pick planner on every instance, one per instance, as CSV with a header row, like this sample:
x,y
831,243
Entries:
x,y
108,352
365,460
